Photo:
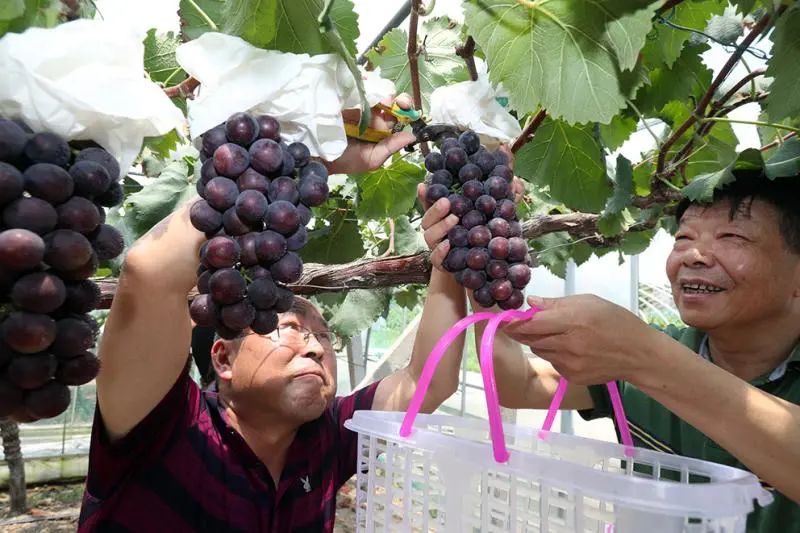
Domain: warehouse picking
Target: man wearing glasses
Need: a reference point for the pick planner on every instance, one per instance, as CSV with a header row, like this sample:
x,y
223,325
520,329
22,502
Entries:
x,y
267,450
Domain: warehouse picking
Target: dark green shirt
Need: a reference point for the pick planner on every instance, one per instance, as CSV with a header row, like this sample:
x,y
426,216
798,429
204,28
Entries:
x,y
653,427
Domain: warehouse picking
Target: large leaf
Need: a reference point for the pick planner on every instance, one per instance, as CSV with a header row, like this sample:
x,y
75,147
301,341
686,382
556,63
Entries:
x,y
618,131
665,43
407,240
335,239
11,9
615,218
359,311
568,160
785,161
389,191
562,55
688,76
297,29
200,16
253,20
36,13
784,66
702,188
159,58
438,64
159,197
726,28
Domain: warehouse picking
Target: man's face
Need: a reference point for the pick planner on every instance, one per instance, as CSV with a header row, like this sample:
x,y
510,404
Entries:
x,y
289,375
732,273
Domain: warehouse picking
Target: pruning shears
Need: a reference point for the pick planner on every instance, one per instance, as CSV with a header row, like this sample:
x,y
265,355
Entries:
x,y
423,131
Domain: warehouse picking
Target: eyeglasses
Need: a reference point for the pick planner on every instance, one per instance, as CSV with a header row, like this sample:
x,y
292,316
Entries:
x,y
292,332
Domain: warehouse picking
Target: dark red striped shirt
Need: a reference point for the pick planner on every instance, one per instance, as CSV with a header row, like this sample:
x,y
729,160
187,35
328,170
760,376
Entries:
x,y
183,468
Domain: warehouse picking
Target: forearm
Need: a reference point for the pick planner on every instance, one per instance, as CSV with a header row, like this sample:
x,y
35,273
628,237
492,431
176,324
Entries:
x,y
760,430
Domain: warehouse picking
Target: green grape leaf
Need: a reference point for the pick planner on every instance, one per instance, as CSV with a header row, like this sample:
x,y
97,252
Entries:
x,y
389,191
558,56
162,146
618,131
407,240
642,176
408,297
255,21
159,58
664,44
615,217
553,251
199,16
636,242
335,239
568,160
688,76
702,188
744,6
784,95
785,161
438,64
725,28
36,13
359,311
160,197
11,9
297,29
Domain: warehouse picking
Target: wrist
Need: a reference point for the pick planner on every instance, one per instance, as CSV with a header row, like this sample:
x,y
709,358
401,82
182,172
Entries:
x,y
649,358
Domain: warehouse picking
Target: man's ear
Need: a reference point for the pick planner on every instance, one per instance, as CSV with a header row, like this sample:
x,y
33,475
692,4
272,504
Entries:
x,y
222,356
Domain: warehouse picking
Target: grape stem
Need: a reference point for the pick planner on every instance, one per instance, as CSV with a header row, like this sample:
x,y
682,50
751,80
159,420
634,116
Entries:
x,y
776,142
467,52
752,123
184,89
528,131
390,250
413,61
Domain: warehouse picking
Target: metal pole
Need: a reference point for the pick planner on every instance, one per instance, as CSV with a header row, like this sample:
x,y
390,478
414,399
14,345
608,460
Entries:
x,y
567,425
634,305
394,22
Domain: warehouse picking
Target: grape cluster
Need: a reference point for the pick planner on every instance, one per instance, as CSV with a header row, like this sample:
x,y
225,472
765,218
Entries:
x,y
52,237
257,193
487,252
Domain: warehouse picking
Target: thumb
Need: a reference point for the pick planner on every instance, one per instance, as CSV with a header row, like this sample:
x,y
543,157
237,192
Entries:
x,y
541,303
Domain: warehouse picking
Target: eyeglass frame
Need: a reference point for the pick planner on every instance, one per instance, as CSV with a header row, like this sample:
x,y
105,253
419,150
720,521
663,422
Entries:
x,y
336,341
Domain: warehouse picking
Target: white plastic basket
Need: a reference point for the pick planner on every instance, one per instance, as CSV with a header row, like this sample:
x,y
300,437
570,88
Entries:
x,y
441,477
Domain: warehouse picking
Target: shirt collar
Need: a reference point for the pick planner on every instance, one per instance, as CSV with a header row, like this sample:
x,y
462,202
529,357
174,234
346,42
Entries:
x,y
768,377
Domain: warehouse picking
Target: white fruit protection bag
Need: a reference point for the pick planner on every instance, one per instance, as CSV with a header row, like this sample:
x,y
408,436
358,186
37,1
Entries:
x,y
83,80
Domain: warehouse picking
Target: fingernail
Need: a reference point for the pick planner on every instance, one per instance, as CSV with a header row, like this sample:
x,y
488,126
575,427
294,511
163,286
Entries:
x,y
442,203
452,219
535,301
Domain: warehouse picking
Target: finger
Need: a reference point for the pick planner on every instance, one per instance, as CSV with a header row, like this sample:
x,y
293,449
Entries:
x,y
404,101
518,188
388,146
436,212
506,150
439,254
422,191
436,233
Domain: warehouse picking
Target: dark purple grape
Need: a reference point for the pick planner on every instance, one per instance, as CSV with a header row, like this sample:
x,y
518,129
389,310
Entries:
x,y
459,205
263,293
73,337
214,138
113,195
266,157
203,310
313,192
287,166
497,187
472,219
459,277
233,224
473,279
448,143
12,140
282,217
258,272
265,322
66,249
230,160
222,252
479,236
501,289
78,214
300,153
499,248
107,242
486,204
470,172
207,171
441,177
78,370
305,214
225,332
314,169
251,206
20,249
456,259
242,129
458,236
283,188
470,141
10,395
202,282
499,227
49,182
28,332
46,147
85,271
247,245
221,193
517,249
297,240
12,184
227,286
504,172
484,297
515,229
204,217
519,275
238,316
285,300
436,192
250,179
33,214
454,159
472,189
200,187
268,128
500,157
39,292
485,160
434,161
514,301
31,371
477,258
497,269
506,209
270,246
102,157
47,401
82,296
287,269
91,179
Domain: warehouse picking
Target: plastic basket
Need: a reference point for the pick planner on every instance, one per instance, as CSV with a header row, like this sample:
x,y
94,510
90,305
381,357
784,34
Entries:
x,y
442,473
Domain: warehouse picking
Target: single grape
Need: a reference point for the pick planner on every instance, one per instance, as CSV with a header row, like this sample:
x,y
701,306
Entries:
x,y
472,219
12,184
265,322
486,204
287,269
250,179
459,205
499,248
10,395
28,332
242,129
484,297
270,246
230,160
517,249
470,141
499,227
500,157
497,187
113,195
222,252
31,371
454,159
238,316
459,277
473,279
288,163
477,258
46,147
282,217
497,269
203,310
441,177
258,272
472,189
78,370
501,289
268,128
66,249
458,236
39,292
448,143
266,157
73,337
20,249
247,245
225,332
485,160
251,206
202,281
515,229
82,296
479,236
47,401
221,193
49,182
314,169
78,214
263,293
204,217
90,178
214,138
107,242
519,275
434,161
305,214
514,301
12,140
435,192
227,286
300,153
284,188
506,209
102,157
470,172
233,224
207,171
285,300
504,172
297,240
33,214
456,259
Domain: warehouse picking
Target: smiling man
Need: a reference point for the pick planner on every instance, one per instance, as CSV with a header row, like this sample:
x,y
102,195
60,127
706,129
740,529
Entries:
x,y
726,388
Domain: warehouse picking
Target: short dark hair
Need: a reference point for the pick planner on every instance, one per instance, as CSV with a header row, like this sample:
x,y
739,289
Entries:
x,y
781,193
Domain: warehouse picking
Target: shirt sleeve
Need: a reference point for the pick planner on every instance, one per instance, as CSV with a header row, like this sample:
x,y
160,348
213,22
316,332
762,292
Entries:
x,y
111,463
347,449
601,401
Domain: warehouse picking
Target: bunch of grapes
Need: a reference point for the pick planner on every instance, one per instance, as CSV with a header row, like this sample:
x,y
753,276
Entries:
x,y
487,252
52,237
257,193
